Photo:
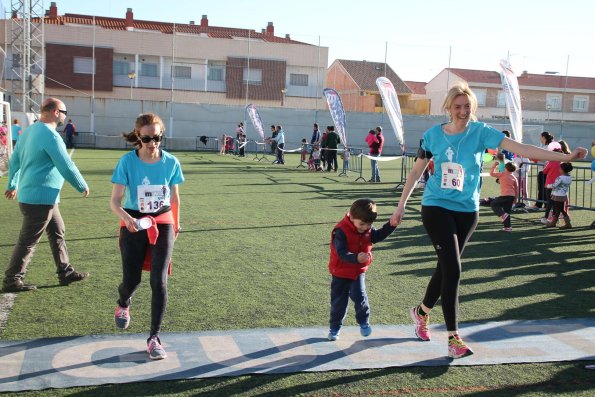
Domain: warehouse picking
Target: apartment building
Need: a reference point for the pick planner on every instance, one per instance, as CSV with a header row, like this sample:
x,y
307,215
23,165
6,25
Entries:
x,y
173,62
544,97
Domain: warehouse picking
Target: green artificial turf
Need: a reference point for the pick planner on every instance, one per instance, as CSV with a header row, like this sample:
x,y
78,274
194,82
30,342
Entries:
x,y
254,251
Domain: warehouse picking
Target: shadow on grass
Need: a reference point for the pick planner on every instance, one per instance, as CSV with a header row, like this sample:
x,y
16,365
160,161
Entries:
x,y
571,380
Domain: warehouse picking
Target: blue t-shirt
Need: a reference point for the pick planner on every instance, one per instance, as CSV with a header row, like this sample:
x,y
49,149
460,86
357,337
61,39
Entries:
x,y
15,131
155,178
466,149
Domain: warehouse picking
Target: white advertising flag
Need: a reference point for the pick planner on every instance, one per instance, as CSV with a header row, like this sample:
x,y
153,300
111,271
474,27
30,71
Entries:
x,y
255,119
510,86
393,109
335,106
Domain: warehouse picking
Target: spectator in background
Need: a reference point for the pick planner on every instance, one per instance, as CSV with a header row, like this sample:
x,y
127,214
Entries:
x,y
239,133
547,140
273,142
332,143
315,140
551,171
70,132
37,170
375,144
15,131
279,138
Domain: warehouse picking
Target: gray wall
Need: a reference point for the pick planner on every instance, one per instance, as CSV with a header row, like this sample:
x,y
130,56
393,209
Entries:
x,y
112,117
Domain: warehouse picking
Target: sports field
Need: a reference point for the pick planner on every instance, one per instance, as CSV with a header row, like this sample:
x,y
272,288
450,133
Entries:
x,y
253,254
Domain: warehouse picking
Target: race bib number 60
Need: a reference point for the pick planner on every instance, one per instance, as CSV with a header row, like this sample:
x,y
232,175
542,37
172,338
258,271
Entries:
x,y
453,176
152,197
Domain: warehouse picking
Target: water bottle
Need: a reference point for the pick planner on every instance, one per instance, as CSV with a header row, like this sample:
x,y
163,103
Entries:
x,y
143,223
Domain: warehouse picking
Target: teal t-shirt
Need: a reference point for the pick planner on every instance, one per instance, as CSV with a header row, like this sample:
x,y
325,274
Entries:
x,y
466,149
40,164
152,180
15,131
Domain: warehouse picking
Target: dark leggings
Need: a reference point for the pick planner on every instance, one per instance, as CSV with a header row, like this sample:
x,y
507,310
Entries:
x,y
449,232
133,247
559,208
540,189
501,205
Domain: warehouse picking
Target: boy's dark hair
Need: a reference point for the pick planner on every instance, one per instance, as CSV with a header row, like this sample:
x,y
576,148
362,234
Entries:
x,y
364,210
506,132
566,167
510,166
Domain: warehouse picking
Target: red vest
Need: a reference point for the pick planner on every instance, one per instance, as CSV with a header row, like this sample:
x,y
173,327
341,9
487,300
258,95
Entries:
x,y
356,243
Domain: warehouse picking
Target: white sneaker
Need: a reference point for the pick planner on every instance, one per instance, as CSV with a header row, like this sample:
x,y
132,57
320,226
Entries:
x,y
544,221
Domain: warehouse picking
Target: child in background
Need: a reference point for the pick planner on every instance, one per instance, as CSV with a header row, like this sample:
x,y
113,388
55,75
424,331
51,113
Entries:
x,y
346,156
509,190
304,150
351,255
560,189
522,164
551,172
223,144
314,162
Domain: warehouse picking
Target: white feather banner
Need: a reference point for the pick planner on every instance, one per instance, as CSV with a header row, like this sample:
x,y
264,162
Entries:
x,y
510,86
255,119
393,109
335,106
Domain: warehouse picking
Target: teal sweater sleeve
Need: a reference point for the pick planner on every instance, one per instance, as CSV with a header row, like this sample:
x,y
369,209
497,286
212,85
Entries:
x,y
39,166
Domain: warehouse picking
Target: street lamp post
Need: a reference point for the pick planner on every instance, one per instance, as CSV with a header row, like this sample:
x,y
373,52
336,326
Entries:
x,y
283,92
131,76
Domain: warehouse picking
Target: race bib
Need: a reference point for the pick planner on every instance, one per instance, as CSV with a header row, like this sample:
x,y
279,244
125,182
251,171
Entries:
x,y
453,176
152,197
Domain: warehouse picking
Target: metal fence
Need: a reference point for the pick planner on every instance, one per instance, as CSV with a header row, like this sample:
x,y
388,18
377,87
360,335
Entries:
x,y
580,195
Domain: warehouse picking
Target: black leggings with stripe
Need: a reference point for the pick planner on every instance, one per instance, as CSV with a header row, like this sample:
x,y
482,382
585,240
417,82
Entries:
x,y
449,232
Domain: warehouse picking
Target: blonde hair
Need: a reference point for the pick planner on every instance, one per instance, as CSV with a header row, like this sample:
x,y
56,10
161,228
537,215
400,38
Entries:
x,y
458,89
141,121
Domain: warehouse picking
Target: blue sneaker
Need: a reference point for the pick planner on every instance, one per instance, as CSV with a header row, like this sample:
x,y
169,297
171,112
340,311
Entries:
x,y
333,334
365,330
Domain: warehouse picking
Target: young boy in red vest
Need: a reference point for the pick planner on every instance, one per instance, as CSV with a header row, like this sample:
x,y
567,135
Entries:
x,y
351,255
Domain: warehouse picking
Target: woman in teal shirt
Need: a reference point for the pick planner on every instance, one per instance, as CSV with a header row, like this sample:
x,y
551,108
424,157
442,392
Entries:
x,y
450,202
147,178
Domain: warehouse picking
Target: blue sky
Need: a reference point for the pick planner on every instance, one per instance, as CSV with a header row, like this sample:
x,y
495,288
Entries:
x,y
419,37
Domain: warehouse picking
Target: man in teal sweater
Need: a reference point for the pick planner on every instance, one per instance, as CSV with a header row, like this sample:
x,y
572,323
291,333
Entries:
x,y
37,170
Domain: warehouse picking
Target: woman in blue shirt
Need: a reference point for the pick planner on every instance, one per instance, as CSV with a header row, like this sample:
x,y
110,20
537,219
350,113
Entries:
x,y
147,178
450,202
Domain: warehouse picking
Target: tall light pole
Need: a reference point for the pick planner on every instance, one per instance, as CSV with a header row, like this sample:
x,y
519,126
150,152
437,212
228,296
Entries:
x,y
131,76
283,92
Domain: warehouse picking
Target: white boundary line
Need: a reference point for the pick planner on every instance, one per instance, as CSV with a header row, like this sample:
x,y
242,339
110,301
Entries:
x,y
6,302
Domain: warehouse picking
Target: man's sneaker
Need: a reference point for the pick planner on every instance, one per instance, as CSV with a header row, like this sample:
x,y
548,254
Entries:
x,y
422,323
457,348
504,217
72,277
122,317
507,229
155,349
17,286
333,335
544,221
365,330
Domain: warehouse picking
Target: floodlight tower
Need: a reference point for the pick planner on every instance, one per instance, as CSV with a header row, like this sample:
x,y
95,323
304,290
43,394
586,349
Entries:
x,y
27,45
